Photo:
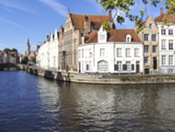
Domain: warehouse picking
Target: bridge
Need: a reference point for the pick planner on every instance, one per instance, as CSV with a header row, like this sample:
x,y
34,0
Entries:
x,y
11,66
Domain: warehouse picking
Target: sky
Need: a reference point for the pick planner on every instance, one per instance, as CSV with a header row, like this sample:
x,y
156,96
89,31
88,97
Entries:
x,y
21,20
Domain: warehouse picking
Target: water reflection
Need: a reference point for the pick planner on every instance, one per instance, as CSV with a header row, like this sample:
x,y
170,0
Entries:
x,y
38,104
98,107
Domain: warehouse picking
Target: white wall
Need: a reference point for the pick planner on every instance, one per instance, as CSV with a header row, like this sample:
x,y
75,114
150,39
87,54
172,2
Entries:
x,y
166,69
110,56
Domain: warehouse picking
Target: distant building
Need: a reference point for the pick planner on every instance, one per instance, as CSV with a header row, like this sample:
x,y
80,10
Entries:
x,y
47,55
9,57
114,51
30,54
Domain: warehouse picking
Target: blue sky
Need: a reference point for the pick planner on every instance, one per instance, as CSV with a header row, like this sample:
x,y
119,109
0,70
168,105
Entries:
x,y
35,19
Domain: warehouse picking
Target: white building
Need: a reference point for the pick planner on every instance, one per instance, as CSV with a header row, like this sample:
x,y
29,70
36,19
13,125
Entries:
x,y
166,42
115,51
47,56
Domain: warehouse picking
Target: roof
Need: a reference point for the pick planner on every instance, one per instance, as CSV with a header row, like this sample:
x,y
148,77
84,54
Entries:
x,y
78,19
166,16
115,35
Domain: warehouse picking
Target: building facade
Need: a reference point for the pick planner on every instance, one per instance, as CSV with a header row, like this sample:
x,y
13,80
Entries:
x,y
115,51
166,42
47,55
76,26
150,38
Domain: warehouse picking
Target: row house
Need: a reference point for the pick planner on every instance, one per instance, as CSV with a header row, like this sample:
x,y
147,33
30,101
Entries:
x,y
47,54
76,26
9,57
114,51
159,44
150,38
166,42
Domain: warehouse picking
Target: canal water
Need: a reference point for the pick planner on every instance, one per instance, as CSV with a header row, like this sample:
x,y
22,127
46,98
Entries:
x,y
34,104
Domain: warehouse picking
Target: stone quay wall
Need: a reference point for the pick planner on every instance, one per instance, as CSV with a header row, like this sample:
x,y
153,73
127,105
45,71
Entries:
x,y
102,78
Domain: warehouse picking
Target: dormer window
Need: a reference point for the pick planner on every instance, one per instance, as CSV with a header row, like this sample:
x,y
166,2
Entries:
x,y
150,26
128,38
102,37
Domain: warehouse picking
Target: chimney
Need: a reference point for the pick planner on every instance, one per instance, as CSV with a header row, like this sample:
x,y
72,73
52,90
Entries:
x,y
161,11
56,34
110,16
86,25
48,37
51,36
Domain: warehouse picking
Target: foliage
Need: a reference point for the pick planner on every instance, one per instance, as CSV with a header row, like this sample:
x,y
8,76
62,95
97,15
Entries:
x,y
6,50
33,60
10,50
25,60
14,50
125,7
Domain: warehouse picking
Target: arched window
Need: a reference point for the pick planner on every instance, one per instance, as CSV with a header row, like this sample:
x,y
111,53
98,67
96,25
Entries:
x,y
128,38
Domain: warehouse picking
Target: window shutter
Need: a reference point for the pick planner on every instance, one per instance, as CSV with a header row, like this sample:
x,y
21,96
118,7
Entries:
x,y
132,66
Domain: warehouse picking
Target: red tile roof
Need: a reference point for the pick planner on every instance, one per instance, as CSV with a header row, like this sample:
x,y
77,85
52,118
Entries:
x,y
78,19
170,18
115,35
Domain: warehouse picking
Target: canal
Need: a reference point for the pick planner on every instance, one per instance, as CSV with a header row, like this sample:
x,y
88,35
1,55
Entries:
x,y
35,104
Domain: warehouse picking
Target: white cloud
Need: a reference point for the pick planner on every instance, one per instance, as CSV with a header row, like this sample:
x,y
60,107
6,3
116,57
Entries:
x,y
58,7
16,6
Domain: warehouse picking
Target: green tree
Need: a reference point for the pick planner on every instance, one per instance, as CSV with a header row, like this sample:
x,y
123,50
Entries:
x,y
125,7
33,60
14,50
25,60
6,50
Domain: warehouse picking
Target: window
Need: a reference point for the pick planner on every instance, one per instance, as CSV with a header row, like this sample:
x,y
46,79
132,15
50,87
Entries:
x,y
102,52
163,59
82,53
128,52
146,60
146,49
163,44
146,37
74,45
150,26
170,31
128,38
170,44
87,67
82,65
119,64
136,52
102,37
119,52
163,32
154,49
128,65
170,59
153,37
74,58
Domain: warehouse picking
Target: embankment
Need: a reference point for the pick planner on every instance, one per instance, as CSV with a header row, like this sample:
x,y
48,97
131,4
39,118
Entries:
x,y
103,78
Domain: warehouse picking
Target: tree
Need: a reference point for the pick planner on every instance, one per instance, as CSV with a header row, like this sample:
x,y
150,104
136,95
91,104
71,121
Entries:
x,y
6,50
25,60
125,7
33,60
14,50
